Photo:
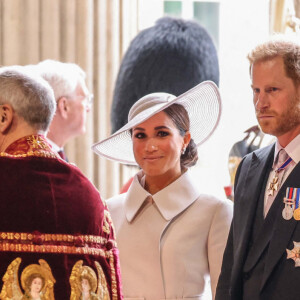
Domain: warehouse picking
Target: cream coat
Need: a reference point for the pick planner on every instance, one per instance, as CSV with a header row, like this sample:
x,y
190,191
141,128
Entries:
x,y
169,249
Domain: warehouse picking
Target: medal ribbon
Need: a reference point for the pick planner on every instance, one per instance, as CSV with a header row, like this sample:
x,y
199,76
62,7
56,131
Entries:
x,y
284,165
292,196
297,197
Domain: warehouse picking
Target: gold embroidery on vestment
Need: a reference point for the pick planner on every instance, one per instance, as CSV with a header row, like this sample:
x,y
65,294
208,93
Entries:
x,y
107,222
83,279
67,238
4,247
113,278
37,282
36,142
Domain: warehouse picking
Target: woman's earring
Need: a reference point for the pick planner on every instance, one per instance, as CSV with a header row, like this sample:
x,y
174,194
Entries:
x,y
183,150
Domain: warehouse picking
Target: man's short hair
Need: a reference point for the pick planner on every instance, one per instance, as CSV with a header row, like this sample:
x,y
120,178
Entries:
x,y
279,45
30,96
63,77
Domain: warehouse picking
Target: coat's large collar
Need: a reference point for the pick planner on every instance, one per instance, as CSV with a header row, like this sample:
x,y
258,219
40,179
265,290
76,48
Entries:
x,y
170,201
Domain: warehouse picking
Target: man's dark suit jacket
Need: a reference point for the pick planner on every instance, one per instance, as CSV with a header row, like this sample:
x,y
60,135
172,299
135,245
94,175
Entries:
x,y
280,278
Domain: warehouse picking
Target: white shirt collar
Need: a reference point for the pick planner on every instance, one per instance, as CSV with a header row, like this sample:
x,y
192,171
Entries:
x,y
292,149
170,201
55,147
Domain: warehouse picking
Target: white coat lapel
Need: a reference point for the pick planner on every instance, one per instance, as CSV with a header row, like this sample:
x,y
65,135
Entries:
x,y
135,198
176,197
170,201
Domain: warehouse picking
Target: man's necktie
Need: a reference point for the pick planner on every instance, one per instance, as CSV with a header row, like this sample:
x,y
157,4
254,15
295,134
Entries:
x,y
281,163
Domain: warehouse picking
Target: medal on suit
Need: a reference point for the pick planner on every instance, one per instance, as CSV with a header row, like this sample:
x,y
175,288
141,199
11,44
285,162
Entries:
x,y
289,202
297,214
274,184
294,253
297,209
287,212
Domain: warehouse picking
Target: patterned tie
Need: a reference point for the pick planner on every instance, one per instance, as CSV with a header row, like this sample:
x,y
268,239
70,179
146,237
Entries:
x,y
276,181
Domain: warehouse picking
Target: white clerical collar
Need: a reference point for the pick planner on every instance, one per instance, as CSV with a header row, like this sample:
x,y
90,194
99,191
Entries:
x,y
55,147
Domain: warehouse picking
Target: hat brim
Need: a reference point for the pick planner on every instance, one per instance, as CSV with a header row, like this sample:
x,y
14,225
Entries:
x,y
203,104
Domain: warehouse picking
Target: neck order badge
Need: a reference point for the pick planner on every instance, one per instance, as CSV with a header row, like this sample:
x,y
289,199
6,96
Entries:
x,y
274,184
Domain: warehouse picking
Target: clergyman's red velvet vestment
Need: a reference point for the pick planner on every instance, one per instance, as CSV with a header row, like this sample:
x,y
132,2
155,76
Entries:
x,y
53,222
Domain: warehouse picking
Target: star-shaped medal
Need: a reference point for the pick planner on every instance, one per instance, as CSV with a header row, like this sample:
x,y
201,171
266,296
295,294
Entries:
x,y
273,186
294,254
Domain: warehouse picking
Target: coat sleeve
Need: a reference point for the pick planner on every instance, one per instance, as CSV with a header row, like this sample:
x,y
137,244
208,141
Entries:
x,y
217,240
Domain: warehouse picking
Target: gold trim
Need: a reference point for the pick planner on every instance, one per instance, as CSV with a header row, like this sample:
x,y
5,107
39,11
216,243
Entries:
x,y
114,288
106,222
67,238
12,247
30,153
38,146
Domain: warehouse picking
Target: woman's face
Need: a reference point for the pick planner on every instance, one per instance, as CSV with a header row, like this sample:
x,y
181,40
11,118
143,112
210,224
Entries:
x,y
36,285
85,285
157,146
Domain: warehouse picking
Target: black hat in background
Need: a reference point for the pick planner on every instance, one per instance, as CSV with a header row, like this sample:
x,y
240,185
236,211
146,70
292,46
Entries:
x,y
172,56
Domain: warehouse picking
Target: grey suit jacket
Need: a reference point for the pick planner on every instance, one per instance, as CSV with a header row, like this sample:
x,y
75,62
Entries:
x,y
281,279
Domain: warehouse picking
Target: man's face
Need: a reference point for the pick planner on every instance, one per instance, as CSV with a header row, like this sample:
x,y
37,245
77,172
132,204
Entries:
x,y
276,100
78,108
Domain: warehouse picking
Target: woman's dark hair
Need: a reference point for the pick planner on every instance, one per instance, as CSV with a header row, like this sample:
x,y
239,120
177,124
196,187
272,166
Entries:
x,y
180,118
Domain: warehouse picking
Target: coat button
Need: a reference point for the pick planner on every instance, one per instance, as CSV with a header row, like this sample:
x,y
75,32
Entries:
x,y
79,241
38,238
109,245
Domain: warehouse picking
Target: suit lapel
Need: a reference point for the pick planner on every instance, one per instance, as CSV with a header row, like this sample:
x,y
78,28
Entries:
x,y
264,232
283,229
248,194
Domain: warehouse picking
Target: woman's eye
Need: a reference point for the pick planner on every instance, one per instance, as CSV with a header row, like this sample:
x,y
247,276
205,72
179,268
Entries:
x,y
139,135
163,133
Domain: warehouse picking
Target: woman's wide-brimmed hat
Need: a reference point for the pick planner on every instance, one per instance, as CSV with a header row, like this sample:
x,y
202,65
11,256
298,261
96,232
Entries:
x,y
203,104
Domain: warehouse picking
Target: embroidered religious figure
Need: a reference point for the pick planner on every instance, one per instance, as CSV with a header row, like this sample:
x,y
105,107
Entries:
x,y
85,285
37,282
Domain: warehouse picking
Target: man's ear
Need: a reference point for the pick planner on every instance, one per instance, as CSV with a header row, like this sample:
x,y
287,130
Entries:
x,y
62,107
6,117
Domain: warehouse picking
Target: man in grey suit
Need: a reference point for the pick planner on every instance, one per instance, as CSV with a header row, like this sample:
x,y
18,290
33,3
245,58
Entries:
x,y
262,256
